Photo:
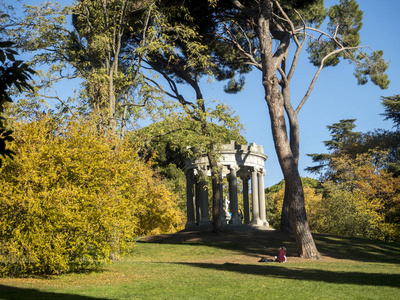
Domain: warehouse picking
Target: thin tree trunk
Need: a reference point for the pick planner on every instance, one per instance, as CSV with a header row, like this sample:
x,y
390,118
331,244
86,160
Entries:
x,y
216,192
212,159
111,106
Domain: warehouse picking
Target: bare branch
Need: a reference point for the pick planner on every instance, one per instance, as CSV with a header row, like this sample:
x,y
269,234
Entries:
x,y
247,55
286,18
336,30
245,35
304,31
248,11
284,80
160,88
175,94
62,102
311,86
334,38
282,51
298,49
134,104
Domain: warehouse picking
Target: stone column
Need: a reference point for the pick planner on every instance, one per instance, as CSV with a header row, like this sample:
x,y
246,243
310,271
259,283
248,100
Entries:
x,y
190,223
261,196
221,200
254,193
233,198
204,215
198,200
246,202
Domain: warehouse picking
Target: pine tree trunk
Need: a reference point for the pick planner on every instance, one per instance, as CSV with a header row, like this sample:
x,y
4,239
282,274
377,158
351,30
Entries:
x,y
305,243
294,142
294,189
286,155
285,216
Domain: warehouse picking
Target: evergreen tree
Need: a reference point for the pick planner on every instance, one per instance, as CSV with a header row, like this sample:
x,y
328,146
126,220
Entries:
x,y
344,141
392,138
392,109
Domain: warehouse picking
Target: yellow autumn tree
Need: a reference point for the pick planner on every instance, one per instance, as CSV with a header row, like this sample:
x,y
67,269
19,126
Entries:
x,y
72,196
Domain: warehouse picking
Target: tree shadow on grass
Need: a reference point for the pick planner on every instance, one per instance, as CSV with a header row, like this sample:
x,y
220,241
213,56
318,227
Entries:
x,y
266,242
15,293
249,242
358,249
269,270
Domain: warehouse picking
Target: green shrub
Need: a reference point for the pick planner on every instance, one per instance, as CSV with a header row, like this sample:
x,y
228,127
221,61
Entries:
x,y
72,196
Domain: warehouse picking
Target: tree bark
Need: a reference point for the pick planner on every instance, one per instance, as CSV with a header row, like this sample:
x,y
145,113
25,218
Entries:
x,y
212,159
285,215
287,153
295,148
293,187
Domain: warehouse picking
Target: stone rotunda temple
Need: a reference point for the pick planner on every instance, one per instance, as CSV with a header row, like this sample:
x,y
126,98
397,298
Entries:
x,y
237,161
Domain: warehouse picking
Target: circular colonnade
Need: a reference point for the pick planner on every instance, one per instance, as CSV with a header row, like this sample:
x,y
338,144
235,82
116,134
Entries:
x,y
237,161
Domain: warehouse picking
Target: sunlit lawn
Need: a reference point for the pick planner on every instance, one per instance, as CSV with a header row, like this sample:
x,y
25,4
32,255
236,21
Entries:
x,y
204,269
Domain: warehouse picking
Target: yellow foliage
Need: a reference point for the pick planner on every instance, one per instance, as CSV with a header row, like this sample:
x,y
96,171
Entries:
x,y
311,200
277,199
72,196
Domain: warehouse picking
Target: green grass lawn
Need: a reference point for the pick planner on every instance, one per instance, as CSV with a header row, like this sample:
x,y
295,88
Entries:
x,y
205,266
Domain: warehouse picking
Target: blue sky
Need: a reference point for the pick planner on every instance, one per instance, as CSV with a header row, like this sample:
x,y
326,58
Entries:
x,y
336,95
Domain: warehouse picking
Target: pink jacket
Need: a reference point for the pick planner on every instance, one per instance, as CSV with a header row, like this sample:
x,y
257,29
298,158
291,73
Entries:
x,y
281,255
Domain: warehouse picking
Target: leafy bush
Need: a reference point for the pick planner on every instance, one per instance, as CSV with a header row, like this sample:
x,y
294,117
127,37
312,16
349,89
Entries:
x,y
72,196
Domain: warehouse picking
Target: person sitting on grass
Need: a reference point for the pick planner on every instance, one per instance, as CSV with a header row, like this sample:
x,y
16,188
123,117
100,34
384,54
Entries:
x,y
281,255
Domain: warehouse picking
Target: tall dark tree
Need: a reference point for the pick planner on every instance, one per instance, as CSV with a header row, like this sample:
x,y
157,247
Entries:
x,y
392,109
392,112
14,73
344,141
387,140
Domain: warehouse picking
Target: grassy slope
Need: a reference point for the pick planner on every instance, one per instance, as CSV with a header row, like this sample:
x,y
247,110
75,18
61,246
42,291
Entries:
x,y
205,266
